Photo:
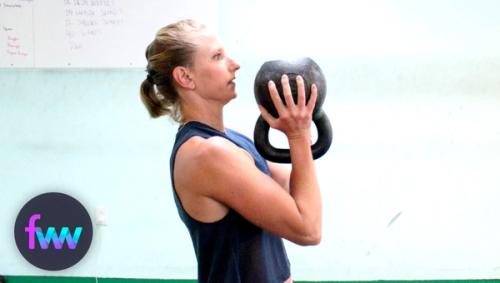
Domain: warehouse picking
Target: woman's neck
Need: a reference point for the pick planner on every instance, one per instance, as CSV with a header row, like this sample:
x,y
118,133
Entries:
x,y
205,113
214,123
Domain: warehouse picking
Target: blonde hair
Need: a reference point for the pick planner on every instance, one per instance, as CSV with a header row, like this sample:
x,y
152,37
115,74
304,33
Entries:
x,y
170,48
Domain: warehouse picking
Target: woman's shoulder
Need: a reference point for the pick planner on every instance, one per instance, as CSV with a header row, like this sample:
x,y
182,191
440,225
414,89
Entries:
x,y
200,159
211,151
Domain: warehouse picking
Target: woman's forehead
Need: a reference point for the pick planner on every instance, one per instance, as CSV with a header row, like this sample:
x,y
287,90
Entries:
x,y
207,42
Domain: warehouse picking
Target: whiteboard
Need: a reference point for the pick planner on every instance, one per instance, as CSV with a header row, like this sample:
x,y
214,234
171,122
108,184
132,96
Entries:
x,y
16,34
89,33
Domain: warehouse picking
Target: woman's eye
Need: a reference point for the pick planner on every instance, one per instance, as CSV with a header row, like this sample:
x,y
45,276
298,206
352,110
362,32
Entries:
x,y
218,56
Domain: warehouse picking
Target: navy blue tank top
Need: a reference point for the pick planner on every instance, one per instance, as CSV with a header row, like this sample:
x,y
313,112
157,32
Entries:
x,y
232,249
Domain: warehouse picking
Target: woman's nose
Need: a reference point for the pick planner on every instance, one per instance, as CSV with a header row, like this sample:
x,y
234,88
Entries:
x,y
233,64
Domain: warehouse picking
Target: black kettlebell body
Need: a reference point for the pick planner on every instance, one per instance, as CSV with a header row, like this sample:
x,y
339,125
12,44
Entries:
x,y
311,74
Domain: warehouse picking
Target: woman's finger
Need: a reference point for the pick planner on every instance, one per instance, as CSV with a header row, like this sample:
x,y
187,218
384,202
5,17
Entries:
x,y
267,116
312,100
301,94
275,97
287,92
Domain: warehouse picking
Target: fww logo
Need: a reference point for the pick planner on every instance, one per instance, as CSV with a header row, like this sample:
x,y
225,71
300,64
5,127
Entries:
x,y
51,235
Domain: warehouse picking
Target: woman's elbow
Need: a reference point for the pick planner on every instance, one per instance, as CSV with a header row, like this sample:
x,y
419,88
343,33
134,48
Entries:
x,y
310,239
313,240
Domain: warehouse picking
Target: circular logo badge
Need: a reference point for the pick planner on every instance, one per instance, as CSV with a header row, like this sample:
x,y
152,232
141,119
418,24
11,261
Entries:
x,y
53,231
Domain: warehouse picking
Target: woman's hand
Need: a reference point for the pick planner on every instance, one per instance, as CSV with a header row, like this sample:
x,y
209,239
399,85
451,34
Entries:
x,y
294,119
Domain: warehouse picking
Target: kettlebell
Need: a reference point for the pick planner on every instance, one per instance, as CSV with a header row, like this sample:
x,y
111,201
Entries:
x,y
311,74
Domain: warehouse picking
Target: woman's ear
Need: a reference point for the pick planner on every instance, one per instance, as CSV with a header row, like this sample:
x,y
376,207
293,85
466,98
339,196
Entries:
x,y
183,77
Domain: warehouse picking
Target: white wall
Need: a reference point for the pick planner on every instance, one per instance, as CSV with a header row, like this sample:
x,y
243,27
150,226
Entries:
x,y
409,185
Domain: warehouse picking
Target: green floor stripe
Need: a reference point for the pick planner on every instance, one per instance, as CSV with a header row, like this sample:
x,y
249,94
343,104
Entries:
x,y
54,279
47,279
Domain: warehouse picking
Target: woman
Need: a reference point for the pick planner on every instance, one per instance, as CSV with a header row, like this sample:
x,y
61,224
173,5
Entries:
x,y
236,206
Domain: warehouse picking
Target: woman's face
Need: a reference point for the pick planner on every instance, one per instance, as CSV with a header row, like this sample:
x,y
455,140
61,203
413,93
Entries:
x,y
213,71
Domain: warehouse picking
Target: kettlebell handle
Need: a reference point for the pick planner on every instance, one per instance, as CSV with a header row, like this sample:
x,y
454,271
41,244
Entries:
x,y
279,155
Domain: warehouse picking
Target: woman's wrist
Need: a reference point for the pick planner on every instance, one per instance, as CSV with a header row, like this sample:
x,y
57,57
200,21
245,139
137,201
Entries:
x,y
299,138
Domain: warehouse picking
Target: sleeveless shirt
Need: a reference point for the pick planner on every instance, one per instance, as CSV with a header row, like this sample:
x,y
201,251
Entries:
x,y
232,249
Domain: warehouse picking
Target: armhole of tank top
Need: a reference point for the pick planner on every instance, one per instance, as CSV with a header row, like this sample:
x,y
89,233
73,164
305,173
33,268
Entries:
x,y
176,195
250,142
